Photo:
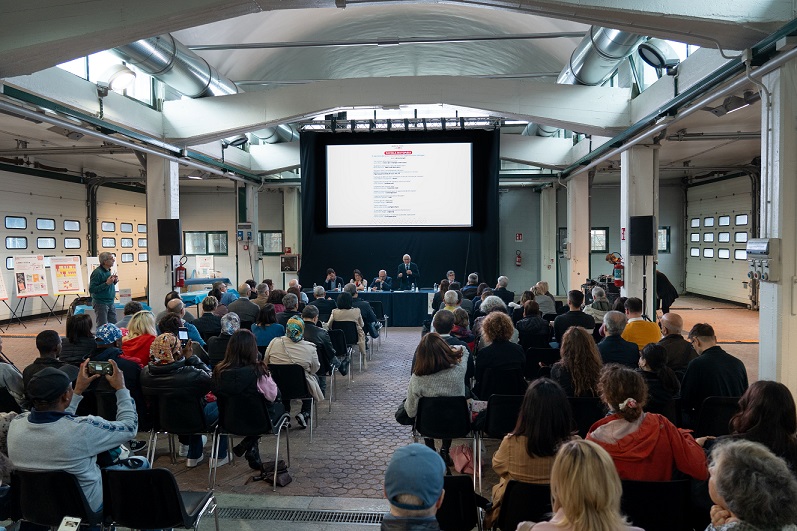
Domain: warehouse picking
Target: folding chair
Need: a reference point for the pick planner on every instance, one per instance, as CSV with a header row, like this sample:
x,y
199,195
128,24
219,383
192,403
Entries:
x,y
338,338
327,369
381,317
47,496
657,505
292,384
586,412
444,417
500,418
352,338
459,510
523,502
151,499
715,415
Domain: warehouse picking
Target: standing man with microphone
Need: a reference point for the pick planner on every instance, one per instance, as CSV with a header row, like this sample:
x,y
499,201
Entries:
x,y
408,274
102,288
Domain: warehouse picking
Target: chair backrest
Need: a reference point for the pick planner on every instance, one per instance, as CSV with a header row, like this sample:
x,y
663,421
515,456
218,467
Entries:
x,y
528,340
502,414
657,505
586,412
320,352
670,409
524,502
323,317
142,499
47,496
715,415
7,402
458,511
338,339
290,380
443,417
546,356
175,411
505,381
378,309
243,414
349,329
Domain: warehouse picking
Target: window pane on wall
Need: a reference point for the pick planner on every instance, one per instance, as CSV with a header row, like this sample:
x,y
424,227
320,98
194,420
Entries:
x,y
127,257
217,243
142,242
45,243
45,224
196,243
108,226
708,222
598,240
10,262
13,242
125,227
72,243
708,252
724,237
740,254
142,257
695,237
694,251
724,221
695,222
741,219
708,237
108,243
664,239
15,222
142,228
740,237
723,253
71,225
127,242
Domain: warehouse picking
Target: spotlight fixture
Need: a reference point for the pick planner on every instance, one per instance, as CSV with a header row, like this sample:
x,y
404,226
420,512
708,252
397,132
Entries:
x,y
734,103
119,77
658,54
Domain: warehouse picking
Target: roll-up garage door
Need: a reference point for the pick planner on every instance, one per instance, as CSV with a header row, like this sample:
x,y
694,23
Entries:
x,y
719,223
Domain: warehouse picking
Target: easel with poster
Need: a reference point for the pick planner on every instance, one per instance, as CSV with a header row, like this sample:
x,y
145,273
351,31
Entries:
x,y
30,281
4,298
66,278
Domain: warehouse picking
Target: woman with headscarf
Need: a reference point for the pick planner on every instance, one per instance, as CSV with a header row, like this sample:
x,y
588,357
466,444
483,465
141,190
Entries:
x,y
291,349
173,366
217,346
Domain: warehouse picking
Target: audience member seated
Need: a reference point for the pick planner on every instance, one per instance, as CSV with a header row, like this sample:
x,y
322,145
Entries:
x,y
359,282
320,301
269,283
370,322
108,341
217,346
220,308
451,277
638,330
292,349
502,292
298,294
177,307
291,304
713,373
573,317
751,489
547,306
332,281
48,343
262,292
600,305
130,309
246,309
240,373
382,282
346,312
442,324
49,437
579,369
767,415
316,335
489,305
266,328
252,288
439,371
533,330
465,304
644,446
228,297
11,381
293,283
413,488
663,384
461,329
613,348
209,325
516,308
173,366
469,289
79,343
437,299
585,491
140,335
170,297
527,453
679,351
500,353
6,466
480,296
275,298
546,291
449,303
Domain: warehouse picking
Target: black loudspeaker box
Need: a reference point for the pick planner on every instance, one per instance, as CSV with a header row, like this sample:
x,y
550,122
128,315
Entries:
x,y
170,240
642,236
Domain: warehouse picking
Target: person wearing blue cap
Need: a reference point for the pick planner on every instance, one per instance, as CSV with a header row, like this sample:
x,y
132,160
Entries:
x,y
414,488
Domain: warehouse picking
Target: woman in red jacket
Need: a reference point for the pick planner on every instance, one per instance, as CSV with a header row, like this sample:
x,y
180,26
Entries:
x,y
644,446
141,332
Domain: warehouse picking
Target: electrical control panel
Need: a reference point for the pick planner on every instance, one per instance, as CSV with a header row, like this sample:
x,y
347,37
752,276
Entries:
x,y
763,255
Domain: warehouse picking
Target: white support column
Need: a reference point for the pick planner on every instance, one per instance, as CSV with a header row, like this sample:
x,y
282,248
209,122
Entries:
x,y
248,257
639,196
291,223
548,248
163,202
578,231
778,310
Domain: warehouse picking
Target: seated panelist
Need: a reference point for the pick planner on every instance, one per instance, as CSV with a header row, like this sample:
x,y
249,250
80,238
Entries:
x,y
333,282
382,282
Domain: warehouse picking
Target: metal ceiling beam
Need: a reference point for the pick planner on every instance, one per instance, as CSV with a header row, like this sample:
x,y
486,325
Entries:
x,y
97,150
739,135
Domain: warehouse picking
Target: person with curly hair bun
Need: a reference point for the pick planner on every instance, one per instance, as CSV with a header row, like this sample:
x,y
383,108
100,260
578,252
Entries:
x,y
644,446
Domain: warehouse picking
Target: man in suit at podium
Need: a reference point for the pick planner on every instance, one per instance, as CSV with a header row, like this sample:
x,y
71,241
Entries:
x,y
408,274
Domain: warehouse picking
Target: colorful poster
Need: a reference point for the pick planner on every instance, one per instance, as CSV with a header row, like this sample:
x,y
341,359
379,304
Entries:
x,y
3,292
204,266
29,276
66,276
125,295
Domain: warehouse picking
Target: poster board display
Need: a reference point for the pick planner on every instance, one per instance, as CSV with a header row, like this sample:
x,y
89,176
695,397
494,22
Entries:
x,y
3,292
65,275
204,266
29,276
125,295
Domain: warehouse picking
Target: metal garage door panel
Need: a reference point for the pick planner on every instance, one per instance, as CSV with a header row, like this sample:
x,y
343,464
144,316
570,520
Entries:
x,y
129,208
719,221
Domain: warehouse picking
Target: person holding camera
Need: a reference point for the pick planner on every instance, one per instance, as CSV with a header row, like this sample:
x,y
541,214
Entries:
x,y
102,288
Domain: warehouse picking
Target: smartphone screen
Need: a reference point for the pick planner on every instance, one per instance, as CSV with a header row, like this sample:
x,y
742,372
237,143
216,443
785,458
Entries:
x,y
182,334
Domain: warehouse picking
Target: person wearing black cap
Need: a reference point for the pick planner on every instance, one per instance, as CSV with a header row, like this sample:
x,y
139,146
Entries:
x,y
414,488
50,437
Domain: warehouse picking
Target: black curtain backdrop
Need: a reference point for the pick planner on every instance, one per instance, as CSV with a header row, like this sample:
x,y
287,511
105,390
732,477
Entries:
x,y
465,250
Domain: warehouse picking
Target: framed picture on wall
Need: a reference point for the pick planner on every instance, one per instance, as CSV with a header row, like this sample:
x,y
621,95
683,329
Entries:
x,y
289,263
271,242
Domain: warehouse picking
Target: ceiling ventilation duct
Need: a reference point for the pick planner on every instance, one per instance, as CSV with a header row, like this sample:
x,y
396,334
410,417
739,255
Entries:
x,y
274,135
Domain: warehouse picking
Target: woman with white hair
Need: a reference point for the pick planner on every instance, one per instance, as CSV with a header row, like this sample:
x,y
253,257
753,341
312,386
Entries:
x,y
546,304
752,489
490,304
600,305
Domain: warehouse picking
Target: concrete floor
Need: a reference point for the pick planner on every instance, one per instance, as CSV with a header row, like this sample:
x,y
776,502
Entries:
x,y
342,469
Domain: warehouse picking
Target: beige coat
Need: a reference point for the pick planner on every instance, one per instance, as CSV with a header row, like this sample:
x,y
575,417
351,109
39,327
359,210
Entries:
x,y
283,351
352,315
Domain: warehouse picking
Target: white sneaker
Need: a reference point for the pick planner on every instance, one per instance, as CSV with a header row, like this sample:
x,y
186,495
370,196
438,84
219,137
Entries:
x,y
191,463
219,462
183,451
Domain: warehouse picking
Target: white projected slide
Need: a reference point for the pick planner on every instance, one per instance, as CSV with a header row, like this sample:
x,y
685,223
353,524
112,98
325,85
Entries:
x,y
399,185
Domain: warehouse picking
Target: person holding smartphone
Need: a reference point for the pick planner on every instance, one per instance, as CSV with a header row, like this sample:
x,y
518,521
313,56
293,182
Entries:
x,y
102,288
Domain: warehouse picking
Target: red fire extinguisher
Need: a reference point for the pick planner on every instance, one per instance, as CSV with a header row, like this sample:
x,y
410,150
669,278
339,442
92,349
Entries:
x,y
518,259
179,273
617,272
